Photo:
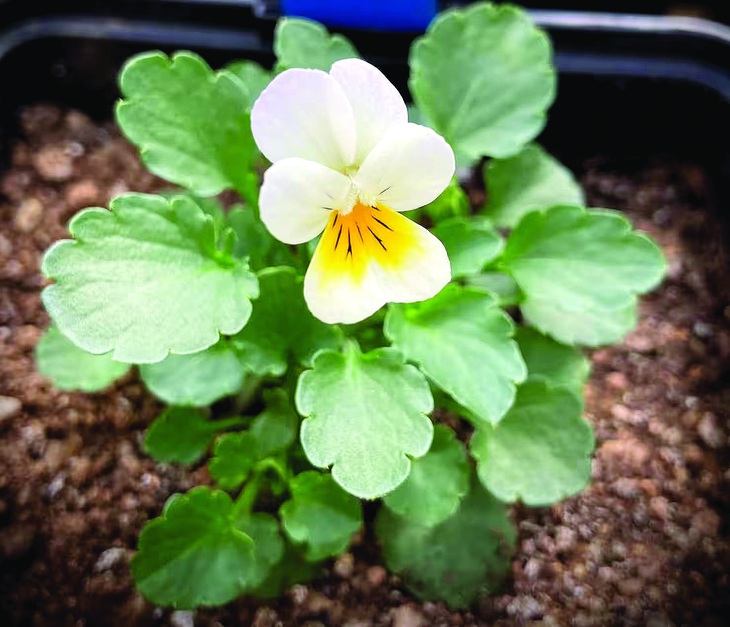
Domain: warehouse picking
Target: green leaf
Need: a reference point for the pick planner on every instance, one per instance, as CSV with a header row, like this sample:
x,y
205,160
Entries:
x,y
463,341
416,116
255,242
466,554
590,326
366,414
307,44
470,243
291,569
146,278
437,482
484,77
198,379
580,271
275,429
253,239
194,554
452,202
320,515
191,124
269,547
559,365
209,206
499,284
253,76
528,181
233,457
70,368
182,435
281,325
541,452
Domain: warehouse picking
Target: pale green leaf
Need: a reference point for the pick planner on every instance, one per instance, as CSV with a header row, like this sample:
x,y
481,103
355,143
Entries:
x,y
589,326
191,124
500,284
541,451
281,326
71,368
198,379
209,206
255,242
436,484
455,561
416,116
559,365
194,554
530,180
275,429
580,271
253,76
470,243
320,515
484,77
233,457
307,44
182,434
146,278
463,341
366,416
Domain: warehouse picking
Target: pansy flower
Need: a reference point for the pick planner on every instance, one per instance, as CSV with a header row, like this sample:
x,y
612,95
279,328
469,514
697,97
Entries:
x,y
346,163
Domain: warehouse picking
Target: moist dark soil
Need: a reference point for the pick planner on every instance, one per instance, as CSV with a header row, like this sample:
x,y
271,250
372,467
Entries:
x,y
646,544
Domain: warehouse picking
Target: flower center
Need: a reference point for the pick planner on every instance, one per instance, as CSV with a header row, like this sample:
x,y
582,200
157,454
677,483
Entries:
x,y
365,233
355,195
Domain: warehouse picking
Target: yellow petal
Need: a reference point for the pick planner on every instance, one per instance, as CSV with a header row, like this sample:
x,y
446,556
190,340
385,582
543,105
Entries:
x,y
369,257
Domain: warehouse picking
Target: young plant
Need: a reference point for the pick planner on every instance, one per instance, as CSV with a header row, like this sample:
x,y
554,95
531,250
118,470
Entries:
x,y
330,393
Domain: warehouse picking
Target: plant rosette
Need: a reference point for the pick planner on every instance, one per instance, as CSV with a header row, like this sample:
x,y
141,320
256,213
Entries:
x,y
335,320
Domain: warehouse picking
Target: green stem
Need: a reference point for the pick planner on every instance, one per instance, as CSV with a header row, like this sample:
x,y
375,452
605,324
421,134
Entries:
x,y
246,500
304,255
351,346
249,191
229,423
369,332
271,463
247,393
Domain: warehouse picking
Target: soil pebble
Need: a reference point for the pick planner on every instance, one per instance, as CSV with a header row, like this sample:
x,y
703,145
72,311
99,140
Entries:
x,y
9,407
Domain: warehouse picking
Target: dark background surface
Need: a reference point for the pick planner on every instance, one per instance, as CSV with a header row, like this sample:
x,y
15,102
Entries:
x,y
227,10
617,90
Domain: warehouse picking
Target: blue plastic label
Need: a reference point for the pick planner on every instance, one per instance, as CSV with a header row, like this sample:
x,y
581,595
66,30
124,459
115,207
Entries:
x,y
391,15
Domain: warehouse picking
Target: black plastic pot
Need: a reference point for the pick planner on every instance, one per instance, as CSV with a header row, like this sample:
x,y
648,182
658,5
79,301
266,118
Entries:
x,y
629,85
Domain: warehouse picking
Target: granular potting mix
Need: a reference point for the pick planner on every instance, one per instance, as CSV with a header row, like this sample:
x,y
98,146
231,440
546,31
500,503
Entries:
x,y
645,544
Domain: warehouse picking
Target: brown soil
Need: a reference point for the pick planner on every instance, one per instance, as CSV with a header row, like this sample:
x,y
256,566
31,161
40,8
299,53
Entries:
x,y
646,544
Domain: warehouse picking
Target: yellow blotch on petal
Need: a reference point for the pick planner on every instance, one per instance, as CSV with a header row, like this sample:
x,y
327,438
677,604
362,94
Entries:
x,y
365,235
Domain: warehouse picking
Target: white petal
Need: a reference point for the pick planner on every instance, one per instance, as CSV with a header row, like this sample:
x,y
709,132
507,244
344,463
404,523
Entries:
x,y
375,259
305,113
297,196
341,300
408,168
424,273
377,104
